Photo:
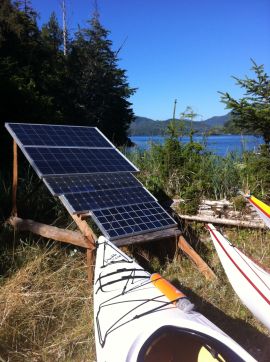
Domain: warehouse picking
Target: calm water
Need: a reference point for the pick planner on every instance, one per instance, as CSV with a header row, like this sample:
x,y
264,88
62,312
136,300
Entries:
x,y
220,145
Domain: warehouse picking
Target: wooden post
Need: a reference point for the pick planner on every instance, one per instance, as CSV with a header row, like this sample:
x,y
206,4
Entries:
x,y
15,179
90,258
91,236
201,265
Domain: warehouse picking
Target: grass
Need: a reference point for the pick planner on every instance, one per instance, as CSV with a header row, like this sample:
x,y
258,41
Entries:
x,y
46,303
46,307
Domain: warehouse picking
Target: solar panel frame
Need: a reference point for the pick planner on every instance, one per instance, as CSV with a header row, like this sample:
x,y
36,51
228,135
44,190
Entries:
x,y
84,202
123,221
126,219
60,185
82,138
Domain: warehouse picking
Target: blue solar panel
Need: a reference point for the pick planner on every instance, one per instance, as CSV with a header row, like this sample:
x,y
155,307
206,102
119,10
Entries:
x,y
84,202
118,222
59,185
60,136
61,161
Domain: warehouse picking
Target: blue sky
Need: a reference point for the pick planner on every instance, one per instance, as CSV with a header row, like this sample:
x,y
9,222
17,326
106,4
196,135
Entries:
x,y
173,49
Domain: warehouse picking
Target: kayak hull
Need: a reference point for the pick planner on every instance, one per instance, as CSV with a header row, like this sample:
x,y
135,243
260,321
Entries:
x,y
249,281
129,310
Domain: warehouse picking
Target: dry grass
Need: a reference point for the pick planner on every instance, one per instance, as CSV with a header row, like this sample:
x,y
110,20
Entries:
x,y
46,310
46,303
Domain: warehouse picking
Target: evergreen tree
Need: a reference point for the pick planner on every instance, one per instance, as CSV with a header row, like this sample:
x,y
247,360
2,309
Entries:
x,y
21,62
52,34
101,91
252,112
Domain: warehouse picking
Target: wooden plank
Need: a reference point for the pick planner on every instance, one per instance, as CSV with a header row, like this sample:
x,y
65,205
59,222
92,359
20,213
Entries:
x,y
230,222
51,232
143,238
199,262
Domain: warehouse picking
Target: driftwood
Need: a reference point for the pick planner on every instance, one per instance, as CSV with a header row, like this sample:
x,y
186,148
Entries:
x,y
230,222
201,265
51,232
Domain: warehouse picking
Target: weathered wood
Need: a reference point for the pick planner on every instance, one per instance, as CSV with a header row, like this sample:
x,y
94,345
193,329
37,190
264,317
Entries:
x,y
51,232
201,265
85,228
91,237
153,236
90,261
230,222
15,179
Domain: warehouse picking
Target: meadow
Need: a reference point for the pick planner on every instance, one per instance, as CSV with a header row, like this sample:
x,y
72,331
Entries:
x,y
46,301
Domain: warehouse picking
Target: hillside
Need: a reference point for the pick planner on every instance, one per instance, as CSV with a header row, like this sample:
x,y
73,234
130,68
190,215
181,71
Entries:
x,y
143,126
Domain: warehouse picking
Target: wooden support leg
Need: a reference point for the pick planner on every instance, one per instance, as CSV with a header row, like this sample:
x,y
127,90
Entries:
x,y
91,237
201,265
15,179
90,256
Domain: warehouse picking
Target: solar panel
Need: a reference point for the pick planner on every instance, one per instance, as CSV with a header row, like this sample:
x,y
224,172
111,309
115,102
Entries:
x,y
57,135
59,185
91,175
61,161
84,202
121,221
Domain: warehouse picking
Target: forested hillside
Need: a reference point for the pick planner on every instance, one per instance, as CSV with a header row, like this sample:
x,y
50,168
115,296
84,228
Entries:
x,y
41,84
148,127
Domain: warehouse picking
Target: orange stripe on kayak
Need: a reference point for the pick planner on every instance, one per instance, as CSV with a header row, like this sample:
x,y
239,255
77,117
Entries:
x,y
166,288
260,205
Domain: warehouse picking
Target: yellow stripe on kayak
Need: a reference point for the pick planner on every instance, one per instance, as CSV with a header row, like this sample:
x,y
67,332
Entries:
x,y
261,205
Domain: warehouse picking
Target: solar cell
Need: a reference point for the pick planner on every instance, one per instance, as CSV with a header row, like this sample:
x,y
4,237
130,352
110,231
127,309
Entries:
x,y
59,185
84,202
122,221
57,135
62,161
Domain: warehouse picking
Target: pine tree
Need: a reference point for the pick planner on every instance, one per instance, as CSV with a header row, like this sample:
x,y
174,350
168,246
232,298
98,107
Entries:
x,y
252,112
101,87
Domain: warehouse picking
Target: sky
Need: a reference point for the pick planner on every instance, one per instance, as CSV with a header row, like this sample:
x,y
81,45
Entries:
x,y
186,50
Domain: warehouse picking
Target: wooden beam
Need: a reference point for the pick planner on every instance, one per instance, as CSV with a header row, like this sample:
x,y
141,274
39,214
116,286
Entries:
x,y
15,179
199,262
50,232
153,236
229,222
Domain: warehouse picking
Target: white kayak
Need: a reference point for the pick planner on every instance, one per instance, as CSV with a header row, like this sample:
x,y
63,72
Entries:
x,y
250,282
136,322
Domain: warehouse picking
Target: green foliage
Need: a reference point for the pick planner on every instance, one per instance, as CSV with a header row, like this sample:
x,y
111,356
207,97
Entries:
x,y
252,112
39,84
101,91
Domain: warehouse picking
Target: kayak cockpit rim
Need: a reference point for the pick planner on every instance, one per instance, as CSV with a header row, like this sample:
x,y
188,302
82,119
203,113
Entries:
x,y
169,343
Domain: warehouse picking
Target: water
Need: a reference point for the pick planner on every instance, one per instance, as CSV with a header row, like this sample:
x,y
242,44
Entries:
x,y
220,145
